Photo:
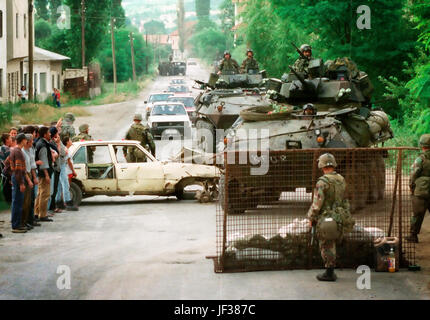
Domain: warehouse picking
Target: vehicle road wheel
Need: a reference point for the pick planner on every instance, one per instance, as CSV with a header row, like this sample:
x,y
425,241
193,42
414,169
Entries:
x,y
76,194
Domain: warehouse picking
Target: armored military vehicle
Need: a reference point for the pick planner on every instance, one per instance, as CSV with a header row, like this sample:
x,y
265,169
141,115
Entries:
x,y
172,68
341,117
219,106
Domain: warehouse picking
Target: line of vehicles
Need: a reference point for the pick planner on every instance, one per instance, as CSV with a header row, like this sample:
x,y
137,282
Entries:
x,y
169,114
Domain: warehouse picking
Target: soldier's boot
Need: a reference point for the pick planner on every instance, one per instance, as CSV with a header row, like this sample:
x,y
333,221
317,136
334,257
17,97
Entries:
x,y
71,207
328,275
413,237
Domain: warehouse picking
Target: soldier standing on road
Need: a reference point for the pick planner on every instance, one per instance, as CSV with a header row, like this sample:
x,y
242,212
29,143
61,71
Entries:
x,y
67,128
249,63
420,187
302,63
329,213
228,64
83,135
140,133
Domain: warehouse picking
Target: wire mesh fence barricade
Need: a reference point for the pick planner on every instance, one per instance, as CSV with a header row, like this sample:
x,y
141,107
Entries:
x,y
261,219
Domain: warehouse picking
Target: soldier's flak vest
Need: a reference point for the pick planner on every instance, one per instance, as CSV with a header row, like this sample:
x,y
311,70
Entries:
x,y
335,192
422,183
137,132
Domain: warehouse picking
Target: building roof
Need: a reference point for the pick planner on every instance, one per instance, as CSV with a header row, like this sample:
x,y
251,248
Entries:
x,y
158,38
45,55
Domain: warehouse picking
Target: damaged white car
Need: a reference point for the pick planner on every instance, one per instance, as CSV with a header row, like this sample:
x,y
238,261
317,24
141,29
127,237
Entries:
x,y
102,169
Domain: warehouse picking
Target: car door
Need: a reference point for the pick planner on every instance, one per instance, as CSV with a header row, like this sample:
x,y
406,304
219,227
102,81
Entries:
x,y
137,177
95,169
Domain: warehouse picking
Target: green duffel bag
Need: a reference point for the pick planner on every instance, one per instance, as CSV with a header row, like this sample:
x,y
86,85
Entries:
x,y
422,187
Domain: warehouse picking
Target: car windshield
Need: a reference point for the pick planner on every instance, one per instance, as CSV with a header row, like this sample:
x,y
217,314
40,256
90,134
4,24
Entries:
x,y
187,101
178,89
159,97
168,110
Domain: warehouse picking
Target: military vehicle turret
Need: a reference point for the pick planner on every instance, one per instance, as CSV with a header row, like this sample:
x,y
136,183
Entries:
x,y
219,106
330,108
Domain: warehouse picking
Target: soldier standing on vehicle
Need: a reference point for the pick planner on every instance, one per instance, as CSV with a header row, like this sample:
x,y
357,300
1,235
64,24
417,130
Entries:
x,y
249,63
329,213
420,187
140,133
302,63
228,64
67,128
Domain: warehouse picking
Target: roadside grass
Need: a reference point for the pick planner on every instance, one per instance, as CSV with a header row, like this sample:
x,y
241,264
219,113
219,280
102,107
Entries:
x,y
125,91
34,113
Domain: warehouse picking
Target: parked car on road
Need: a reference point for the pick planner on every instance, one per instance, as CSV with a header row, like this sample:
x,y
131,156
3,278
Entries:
x,y
155,97
180,88
188,102
102,169
177,81
169,120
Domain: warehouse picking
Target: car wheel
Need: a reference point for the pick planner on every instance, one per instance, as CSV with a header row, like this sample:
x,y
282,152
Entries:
x,y
179,193
76,194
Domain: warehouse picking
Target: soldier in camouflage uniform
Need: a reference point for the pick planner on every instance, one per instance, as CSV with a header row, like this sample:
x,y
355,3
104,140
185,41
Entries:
x,y
140,133
249,62
67,128
329,191
228,64
83,135
302,63
419,184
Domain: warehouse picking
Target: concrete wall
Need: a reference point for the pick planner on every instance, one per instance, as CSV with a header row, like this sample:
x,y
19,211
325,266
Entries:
x,y
17,25
43,73
3,54
76,73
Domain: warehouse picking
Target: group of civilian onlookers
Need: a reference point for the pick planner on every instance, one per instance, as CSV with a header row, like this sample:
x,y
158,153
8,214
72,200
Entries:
x,y
56,96
36,174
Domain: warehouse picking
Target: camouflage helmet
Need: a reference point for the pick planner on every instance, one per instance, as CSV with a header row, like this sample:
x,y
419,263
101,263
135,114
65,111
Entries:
x,y
425,140
227,52
327,160
69,117
83,127
249,50
305,47
137,116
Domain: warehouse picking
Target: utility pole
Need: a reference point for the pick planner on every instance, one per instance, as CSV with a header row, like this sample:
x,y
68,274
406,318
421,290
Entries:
x,y
112,21
132,56
30,51
83,32
147,60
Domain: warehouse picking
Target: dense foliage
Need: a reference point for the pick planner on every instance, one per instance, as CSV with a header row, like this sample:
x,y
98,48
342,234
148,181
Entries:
x,y
98,45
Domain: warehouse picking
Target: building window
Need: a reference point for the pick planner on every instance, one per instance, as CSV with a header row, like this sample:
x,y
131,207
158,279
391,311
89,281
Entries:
x,y
17,25
58,82
26,80
1,24
53,81
25,26
42,82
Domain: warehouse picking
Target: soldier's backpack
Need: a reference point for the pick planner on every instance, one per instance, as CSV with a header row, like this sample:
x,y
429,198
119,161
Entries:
x,y
422,184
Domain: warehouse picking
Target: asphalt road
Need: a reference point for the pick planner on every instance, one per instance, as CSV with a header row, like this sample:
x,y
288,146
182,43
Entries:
x,y
139,247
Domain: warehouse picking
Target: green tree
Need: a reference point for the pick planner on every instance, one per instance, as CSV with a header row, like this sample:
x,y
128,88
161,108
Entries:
x,y
154,27
41,7
42,30
203,8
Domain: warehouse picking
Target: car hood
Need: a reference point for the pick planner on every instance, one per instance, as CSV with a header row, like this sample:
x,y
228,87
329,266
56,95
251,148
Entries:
x,y
183,118
179,170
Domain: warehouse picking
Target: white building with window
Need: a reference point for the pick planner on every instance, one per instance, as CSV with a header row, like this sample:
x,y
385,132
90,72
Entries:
x,y
47,70
3,52
17,45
